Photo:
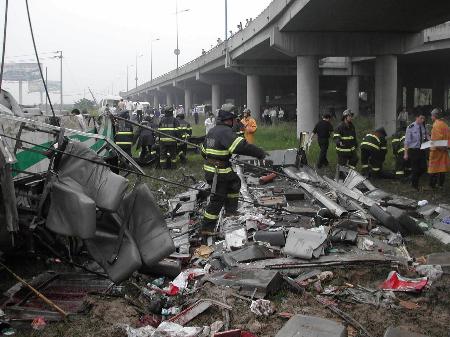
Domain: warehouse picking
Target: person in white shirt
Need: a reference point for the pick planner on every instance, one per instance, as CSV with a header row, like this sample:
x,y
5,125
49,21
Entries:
x,y
209,122
80,119
281,114
130,106
139,111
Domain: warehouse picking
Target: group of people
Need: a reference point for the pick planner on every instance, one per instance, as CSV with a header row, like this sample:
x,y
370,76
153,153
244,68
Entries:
x,y
413,158
272,115
164,139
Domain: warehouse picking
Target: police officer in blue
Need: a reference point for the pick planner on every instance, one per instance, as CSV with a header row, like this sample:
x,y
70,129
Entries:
x,y
416,134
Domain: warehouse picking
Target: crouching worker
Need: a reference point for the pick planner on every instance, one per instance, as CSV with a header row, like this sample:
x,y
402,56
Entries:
x,y
146,141
219,145
372,154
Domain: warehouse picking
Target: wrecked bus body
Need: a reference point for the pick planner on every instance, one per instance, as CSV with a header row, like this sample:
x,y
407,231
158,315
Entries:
x,y
59,181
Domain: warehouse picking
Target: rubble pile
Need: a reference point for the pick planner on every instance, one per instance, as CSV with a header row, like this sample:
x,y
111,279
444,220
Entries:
x,y
292,231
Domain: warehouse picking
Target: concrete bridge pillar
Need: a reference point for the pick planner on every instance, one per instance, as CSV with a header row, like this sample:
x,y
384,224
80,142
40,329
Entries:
x,y
307,93
410,98
169,99
215,97
187,100
156,100
438,94
386,92
353,94
254,95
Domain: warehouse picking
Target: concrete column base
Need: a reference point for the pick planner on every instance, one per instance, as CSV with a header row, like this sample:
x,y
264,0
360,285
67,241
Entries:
x,y
215,97
254,95
307,93
386,93
353,94
187,100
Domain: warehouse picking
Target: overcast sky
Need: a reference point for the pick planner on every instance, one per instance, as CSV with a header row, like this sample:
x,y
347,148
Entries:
x,y
99,38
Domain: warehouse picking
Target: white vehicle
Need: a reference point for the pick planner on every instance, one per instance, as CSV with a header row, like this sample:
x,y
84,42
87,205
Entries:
x,y
112,102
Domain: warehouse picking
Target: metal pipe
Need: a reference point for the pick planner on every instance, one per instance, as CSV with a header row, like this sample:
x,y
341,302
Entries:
x,y
332,206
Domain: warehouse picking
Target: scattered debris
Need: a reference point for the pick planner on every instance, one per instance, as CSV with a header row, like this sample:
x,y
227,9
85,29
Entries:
x,y
396,282
262,307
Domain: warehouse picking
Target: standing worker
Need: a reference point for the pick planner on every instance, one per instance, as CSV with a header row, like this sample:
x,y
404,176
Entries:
x,y
168,146
402,166
323,130
416,134
249,126
209,122
372,154
185,131
345,139
439,162
124,134
195,115
220,144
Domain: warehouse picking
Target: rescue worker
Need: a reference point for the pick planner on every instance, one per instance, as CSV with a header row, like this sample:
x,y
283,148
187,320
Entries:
x,y
345,139
402,166
416,134
124,135
323,130
185,131
238,127
145,140
219,145
250,127
372,154
439,162
168,146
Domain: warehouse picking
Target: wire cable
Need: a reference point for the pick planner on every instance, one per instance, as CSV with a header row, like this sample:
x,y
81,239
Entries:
x,y
164,180
4,43
199,147
37,59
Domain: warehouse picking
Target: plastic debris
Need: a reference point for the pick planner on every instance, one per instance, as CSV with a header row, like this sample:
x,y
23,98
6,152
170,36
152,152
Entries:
x,y
181,281
422,203
432,272
262,307
170,311
367,244
203,251
175,330
396,282
38,323
145,331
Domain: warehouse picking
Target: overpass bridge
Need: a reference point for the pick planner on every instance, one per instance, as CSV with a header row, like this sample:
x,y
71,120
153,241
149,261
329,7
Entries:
x,y
384,47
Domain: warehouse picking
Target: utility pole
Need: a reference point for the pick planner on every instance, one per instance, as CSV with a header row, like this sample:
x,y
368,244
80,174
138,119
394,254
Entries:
x,y
46,84
60,79
226,20
136,70
151,58
177,50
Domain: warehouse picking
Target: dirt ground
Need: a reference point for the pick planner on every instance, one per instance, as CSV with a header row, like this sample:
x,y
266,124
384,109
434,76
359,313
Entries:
x,y
431,317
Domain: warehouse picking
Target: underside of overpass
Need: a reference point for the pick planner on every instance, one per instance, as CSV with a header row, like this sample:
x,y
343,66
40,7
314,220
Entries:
x,y
320,55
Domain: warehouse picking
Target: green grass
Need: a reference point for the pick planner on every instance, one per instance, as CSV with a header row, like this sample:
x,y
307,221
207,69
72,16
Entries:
x,y
283,136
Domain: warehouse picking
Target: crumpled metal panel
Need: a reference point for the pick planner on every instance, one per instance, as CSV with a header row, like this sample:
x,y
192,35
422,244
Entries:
x,y
311,326
257,283
251,253
304,244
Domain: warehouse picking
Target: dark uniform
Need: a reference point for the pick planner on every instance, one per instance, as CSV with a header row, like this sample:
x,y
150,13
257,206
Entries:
x,y
372,153
220,143
383,150
345,139
185,131
238,128
124,136
146,141
323,130
168,146
402,166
